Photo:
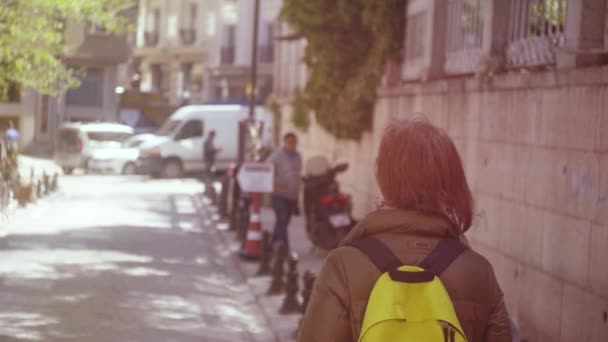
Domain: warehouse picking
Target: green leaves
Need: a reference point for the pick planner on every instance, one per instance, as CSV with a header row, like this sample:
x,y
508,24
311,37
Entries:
x,y
348,45
32,39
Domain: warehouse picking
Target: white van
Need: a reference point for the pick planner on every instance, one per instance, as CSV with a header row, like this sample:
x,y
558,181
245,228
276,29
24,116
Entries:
x,y
177,147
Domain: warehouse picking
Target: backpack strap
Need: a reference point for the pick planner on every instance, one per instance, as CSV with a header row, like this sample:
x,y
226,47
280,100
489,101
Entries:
x,y
384,259
446,251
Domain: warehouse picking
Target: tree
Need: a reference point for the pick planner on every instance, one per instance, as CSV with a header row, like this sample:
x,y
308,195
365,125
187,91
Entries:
x,y
32,39
348,43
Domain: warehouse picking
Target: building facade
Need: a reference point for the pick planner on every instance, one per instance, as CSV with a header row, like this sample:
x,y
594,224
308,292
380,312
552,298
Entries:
x,y
195,51
521,86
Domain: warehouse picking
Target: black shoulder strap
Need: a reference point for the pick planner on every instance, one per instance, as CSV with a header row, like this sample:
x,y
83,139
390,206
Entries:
x,y
446,251
384,259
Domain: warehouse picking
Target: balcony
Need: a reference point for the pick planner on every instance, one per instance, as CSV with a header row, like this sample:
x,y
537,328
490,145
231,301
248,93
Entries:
x,y
151,38
187,35
227,55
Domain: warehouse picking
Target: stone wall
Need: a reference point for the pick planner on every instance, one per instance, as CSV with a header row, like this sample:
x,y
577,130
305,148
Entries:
x,y
535,148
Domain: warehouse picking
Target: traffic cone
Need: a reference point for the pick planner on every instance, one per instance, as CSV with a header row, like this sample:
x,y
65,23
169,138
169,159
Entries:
x,y
252,249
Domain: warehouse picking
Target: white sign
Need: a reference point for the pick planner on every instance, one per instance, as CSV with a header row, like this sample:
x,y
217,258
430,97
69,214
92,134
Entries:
x,y
256,177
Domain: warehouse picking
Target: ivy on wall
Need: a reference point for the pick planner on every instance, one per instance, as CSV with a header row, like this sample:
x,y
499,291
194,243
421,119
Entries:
x,y
300,116
348,45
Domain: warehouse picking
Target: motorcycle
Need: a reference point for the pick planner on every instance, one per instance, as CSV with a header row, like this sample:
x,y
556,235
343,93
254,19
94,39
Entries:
x,y
328,212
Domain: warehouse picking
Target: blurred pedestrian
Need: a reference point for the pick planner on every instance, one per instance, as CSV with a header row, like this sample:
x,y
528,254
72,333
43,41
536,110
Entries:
x,y
288,173
426,201
210,152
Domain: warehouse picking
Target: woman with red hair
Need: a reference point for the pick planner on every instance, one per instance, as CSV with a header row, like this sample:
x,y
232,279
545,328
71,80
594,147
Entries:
x,y
426,200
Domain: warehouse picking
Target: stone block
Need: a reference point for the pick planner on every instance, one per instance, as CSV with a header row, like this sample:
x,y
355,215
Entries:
x,y
539,307
601,205
511,116
524,236
583,316
602,137
487,221
566,243
458,109
502,169
546,180
570,117
583,184
598,276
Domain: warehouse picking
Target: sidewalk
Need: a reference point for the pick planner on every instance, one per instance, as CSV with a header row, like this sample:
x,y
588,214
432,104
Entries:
x,y
26,165
284,326
39,165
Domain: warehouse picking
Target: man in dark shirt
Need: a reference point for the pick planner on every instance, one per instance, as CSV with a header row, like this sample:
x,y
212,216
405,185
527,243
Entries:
x,y
210,152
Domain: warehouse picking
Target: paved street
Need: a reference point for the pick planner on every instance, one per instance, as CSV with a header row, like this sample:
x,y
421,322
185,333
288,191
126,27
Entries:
x,y
117,259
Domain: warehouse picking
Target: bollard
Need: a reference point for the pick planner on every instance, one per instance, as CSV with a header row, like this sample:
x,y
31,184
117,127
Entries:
x,y
266,258
54,182
46,183
39,189
309,281
280,253
32,175
291,303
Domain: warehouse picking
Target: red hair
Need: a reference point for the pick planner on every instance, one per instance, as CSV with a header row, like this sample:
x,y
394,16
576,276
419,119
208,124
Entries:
x,y
418,168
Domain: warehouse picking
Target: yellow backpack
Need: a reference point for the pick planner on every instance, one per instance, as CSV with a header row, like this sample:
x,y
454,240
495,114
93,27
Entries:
x,y
410,303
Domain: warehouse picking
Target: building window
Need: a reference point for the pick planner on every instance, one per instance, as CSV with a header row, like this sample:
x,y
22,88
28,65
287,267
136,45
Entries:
x,y
188,31
464,36
227,51
266,53
96,28
90,91
11,93
160,79
153,28
536,27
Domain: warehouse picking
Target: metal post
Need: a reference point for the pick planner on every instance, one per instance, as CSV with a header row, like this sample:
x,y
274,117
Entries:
x,y
254,61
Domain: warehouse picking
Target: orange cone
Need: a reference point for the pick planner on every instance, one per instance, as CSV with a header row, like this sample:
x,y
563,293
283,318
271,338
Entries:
x,y
252,249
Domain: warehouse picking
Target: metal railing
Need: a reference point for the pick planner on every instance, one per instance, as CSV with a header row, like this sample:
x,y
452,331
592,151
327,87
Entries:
x,y
536,28
464,35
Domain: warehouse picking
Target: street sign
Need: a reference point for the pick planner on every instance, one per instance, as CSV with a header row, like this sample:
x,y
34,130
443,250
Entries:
x,y
256,177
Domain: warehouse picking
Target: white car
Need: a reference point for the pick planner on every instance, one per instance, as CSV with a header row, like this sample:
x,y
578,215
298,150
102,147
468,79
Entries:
x,y
76,143
120,160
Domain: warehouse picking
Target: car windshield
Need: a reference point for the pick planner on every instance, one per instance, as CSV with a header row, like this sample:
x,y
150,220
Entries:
x,y
109,136
168,127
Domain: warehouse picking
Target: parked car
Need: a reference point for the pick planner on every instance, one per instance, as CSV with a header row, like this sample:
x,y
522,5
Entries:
x,y
77,142
177,147
136,140
120,160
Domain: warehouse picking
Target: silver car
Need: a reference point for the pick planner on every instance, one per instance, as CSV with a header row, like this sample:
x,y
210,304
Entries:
x,y
76,143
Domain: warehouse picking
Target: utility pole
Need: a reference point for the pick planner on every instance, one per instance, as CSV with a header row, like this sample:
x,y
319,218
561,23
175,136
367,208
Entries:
x,y
254,61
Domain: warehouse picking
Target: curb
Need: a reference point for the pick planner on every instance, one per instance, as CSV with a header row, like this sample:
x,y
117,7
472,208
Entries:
x,y
223,235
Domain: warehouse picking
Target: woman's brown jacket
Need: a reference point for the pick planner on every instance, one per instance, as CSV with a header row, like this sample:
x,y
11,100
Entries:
x,y
341,292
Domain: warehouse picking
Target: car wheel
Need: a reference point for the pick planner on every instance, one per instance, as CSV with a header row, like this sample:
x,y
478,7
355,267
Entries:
x,y
129,169
173,169
68,170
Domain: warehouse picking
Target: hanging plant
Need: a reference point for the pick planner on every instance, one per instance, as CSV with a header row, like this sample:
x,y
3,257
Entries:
x,y
348,45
